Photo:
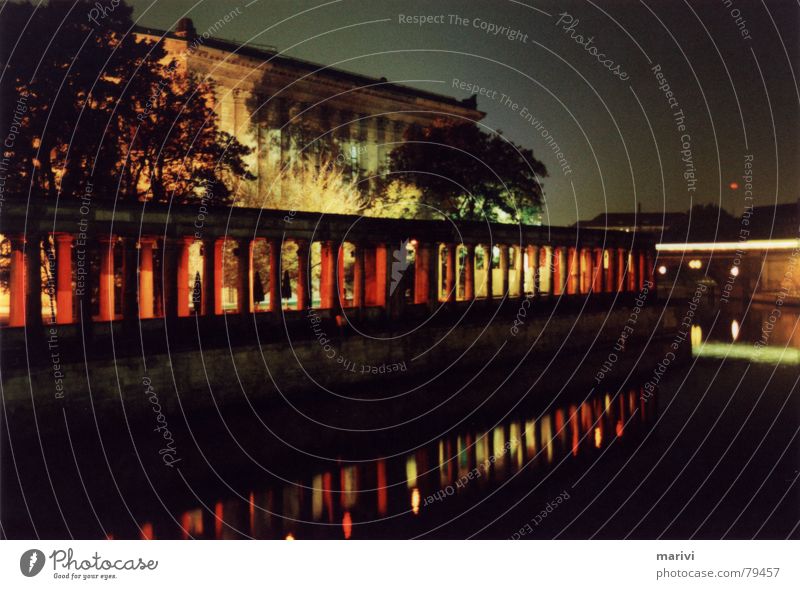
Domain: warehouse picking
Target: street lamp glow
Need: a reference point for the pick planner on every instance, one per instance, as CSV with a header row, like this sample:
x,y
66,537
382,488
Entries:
x,y
735,271
662,270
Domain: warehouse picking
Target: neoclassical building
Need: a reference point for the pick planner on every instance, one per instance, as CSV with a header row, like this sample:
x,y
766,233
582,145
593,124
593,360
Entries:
x,y
263,96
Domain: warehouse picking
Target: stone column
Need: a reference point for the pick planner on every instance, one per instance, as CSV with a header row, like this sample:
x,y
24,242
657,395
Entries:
x,y
469,273
184,290
585,272
329,253
341,284
563,270
519,268
621,271
64,313
533,267
550,268
358,277
107,278
275,275
572,270
130,280
598,275
244,255
488,259
633,270
211,296
146,310
503,270
450,274
422,273
383,277
16,284
303,274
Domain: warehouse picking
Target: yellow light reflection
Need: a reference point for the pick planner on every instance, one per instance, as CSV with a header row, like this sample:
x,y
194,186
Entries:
x,y
415,501
735,329
411,472
547,437
696,336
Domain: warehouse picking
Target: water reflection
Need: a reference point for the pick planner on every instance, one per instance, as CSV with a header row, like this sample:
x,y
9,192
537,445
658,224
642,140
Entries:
x,y
761,334
332,504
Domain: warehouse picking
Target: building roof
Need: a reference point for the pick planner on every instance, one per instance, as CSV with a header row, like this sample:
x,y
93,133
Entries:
x,y
307,67
629,220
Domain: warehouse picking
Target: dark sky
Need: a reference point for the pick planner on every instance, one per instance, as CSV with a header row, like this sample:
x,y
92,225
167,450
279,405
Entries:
x,y
620,138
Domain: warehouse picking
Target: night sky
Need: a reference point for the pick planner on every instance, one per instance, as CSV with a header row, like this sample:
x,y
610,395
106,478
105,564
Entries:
x,y
615,127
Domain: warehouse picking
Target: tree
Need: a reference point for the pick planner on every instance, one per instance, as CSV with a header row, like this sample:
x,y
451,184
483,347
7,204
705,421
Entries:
x,y
98,108
468,173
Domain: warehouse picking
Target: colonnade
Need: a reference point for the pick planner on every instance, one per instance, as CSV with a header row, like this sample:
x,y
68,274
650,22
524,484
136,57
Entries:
x,y
443,273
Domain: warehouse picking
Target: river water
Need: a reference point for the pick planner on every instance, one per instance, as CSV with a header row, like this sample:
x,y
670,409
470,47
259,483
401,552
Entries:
x,y
710,451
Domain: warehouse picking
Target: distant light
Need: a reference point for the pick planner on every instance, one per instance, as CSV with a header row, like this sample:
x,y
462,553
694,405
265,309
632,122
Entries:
x,y
734,270
735,329
662,270
734,185
755,244
289,536
695,264
414,242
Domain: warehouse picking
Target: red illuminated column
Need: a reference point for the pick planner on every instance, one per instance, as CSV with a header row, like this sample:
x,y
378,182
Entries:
x,y
146,278
469,273
107,278
329,253
383,270
275,275
621,270
586,270
633,270
341,286
17,283
608,256
572,271
422,273
64,278
303,282
358,277
184,289
559,270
